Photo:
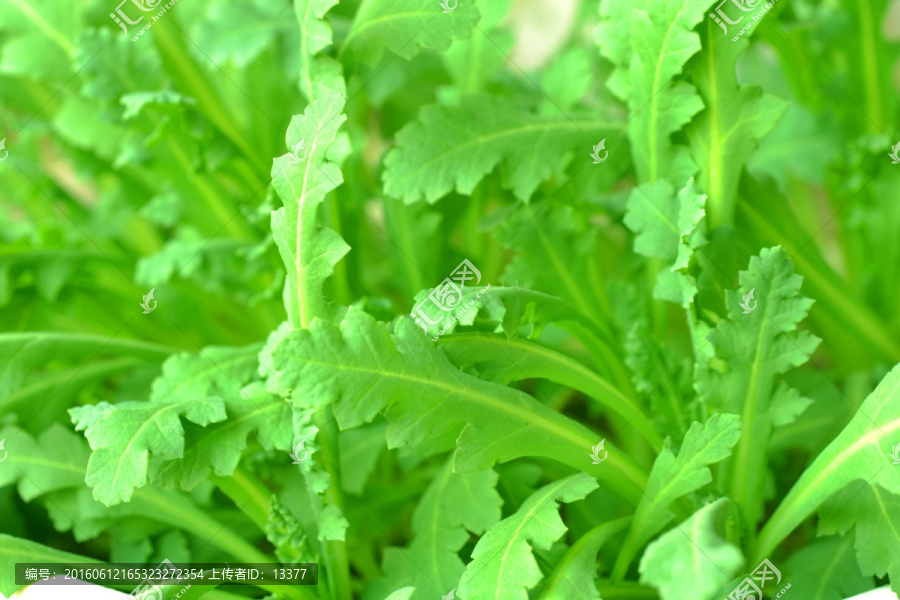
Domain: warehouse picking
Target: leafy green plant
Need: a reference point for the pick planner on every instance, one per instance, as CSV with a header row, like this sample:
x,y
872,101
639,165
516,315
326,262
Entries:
x,y
385,286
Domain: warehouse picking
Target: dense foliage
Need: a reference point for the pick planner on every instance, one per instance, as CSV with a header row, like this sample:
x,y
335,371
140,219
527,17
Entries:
x,y
392,287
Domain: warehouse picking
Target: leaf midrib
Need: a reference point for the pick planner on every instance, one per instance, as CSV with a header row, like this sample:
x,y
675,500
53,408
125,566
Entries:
x,y
748,419
796,503
654,113
592,385
435,518
355,31
140,429
526,518
561,124
836,558
487,400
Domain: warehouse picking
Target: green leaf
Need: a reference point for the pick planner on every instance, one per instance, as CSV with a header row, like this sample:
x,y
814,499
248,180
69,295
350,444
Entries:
x,y
556,254
110,65
649,42
360,448
52,469
660,377
319,75
54,461
668,227
42,36
473,61
566,81
652,214
136,102
876,514
123,436
163,209
286,534
515,308
216,371
503,565
696,559
826,570
725,134
217,448
800,146
573,578
455,147
675,476
26,352
453,506
502,359
308,249
325,518
211,264
756,348
238,31
405,26
402,594
365,370
861,451
17,550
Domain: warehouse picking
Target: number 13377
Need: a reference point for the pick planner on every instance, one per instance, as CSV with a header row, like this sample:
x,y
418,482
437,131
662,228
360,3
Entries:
x,y
289,573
